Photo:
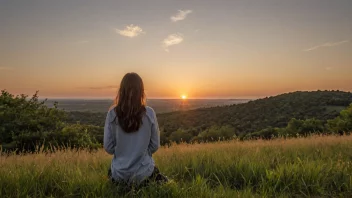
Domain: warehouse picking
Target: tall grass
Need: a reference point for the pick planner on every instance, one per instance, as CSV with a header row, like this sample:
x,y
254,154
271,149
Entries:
x,y
305,167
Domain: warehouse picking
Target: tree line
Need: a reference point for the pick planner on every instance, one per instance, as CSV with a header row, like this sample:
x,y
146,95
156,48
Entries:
x,y
27,124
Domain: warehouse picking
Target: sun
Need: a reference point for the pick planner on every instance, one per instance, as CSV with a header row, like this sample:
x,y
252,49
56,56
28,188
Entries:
x,y
183,97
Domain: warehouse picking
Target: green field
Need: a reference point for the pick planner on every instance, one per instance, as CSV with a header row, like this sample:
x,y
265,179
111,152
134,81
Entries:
x,y
304,167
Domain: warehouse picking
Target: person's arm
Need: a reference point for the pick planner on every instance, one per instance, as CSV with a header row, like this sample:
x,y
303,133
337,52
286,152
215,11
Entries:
x,y
154,143
109,136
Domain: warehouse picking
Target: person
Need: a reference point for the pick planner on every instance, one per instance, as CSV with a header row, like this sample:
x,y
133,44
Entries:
x,y
131,135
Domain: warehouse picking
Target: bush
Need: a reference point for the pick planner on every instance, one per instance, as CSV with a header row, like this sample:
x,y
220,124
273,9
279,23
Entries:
x,y
343,123
180,135
27,124
304,127
215,133
268,133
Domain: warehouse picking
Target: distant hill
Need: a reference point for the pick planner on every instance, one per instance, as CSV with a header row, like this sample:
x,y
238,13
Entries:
x,y
159,105
94,111
259,114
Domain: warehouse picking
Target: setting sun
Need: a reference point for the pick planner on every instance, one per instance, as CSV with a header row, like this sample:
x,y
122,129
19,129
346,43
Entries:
x,y
184,97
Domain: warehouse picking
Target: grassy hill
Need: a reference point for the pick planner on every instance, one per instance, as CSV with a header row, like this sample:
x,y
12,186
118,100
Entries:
x,y
243,120
259,114
302,167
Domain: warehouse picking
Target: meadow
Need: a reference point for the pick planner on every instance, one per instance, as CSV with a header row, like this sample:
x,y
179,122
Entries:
x,y
316,166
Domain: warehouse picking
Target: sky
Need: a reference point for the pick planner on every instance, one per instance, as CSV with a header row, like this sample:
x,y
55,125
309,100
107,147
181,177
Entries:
x,y
198,48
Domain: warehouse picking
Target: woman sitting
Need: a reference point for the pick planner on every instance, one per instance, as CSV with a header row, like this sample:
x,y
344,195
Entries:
x,y
131,135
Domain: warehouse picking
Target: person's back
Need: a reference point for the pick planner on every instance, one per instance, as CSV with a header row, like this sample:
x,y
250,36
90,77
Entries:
x,y
132,161
131,134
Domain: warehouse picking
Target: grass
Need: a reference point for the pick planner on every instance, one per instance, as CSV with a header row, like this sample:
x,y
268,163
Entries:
x,y
316,166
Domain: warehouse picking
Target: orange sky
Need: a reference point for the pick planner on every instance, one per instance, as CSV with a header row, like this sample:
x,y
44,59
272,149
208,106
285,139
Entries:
x,y
231,49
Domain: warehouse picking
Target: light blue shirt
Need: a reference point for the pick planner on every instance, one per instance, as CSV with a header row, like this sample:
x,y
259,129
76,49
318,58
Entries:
x,y
132,161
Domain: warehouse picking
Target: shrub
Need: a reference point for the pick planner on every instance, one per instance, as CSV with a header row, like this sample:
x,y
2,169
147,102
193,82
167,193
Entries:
x,y
27,124
217,133
304,127
267,133
343,123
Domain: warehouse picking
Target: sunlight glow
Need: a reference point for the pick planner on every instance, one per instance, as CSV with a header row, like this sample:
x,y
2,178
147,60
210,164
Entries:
x,y
184,97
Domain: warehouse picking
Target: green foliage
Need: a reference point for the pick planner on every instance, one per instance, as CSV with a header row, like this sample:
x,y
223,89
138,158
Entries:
x,y
74,136
21,116
268,133
86,117
343,123
304,127
264,118
294,128
263,113
297,167
180,136
27,124
163,139
215,133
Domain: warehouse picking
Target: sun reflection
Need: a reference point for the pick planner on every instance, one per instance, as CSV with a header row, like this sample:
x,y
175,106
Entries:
x,y
184,97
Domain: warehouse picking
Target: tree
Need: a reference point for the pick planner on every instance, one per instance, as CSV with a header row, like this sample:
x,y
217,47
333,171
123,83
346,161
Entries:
x,y
267,134
342,123
26,124
304,127
180,136
215,133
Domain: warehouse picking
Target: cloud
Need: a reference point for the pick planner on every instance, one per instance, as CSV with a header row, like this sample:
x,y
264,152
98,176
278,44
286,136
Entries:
x,y
181,15
102,87
130,31
172,39
329,68
329,44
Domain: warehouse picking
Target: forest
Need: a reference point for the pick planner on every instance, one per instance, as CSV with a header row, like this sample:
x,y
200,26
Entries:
x,y
28,124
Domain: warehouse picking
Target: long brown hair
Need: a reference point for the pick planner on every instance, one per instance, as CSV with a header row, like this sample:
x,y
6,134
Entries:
x,y
130,103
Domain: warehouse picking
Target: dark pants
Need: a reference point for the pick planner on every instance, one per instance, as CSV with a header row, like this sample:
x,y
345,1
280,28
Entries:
x,y
156,176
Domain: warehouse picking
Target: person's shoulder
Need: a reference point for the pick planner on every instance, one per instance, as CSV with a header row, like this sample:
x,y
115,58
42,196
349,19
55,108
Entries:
x,y
111,113
150,113
149,110
112,109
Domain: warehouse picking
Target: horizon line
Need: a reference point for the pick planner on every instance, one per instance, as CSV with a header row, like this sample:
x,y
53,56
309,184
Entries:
x,y
157,98
195,98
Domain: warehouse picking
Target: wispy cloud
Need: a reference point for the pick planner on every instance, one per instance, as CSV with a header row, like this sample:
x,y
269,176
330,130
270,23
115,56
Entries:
x,y
102,87
329,44
130,31
172,39
181,15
